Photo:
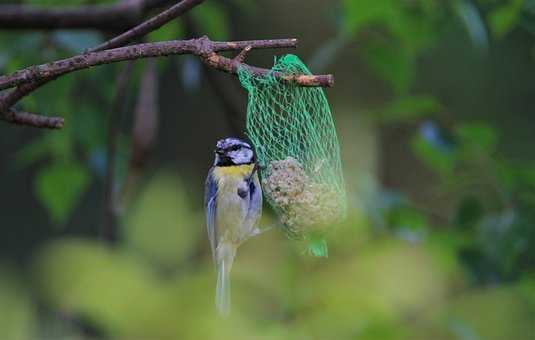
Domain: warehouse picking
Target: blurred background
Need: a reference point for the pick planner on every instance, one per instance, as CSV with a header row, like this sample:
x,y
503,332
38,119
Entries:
x,y
432,102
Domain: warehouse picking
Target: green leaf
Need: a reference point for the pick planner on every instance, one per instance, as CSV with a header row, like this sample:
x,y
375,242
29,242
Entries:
x,y
359,14
503,19
477,137
409,23
408,219
402,31
412,28
59,186
392,64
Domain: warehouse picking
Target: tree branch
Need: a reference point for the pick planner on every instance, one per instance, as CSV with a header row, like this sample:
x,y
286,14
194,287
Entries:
x,y
159,20
31,119
105,17
148,26
243,54
233,65
199,46
202,47
134,33
31,78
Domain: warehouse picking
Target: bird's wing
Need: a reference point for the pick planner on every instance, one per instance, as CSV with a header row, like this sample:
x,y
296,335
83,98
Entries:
x,y
255,200
210,195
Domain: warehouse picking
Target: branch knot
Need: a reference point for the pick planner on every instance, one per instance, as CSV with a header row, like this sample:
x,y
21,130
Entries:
x,y
204,47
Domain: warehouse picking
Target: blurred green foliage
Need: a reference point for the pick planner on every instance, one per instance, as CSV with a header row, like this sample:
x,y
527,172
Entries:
x,y
18,313
397,269
212,19
408,28
166,211
372,286
59,186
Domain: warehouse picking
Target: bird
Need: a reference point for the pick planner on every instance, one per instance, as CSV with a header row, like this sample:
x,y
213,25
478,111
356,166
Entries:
x,y
233,206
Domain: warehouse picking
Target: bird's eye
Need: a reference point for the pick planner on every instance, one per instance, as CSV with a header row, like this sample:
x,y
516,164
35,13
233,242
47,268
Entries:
x,y
234,148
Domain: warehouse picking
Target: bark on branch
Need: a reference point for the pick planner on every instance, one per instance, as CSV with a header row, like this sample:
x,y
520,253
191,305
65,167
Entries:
x,y
31,78
10,99
233,65
26,118
202,47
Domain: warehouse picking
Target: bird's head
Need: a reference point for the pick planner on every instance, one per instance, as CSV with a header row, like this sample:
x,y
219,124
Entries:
x,y
233,151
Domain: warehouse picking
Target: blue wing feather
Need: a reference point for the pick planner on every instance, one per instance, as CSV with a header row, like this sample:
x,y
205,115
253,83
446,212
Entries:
x,y
210,205
255,201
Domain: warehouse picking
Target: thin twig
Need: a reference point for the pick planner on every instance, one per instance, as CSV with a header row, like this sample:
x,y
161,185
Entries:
x,y
116,16
32,77
148,26
18,93
233,66
159,20
26,118
132,34
202,47
243,54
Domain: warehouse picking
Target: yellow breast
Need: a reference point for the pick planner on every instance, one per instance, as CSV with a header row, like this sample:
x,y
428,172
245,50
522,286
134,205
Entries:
x,y
233,171
231,208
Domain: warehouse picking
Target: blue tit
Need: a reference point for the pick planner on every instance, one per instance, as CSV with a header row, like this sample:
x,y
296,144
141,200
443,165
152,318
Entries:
x,y
233,203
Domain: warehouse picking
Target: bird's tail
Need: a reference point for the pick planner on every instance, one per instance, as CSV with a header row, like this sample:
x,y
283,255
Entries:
x,y
226,255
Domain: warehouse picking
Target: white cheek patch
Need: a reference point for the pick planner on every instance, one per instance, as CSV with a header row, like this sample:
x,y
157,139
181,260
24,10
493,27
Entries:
x,y
241,156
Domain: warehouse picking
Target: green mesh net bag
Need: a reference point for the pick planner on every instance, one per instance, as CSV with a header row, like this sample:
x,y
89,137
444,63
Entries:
x,y
297,148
